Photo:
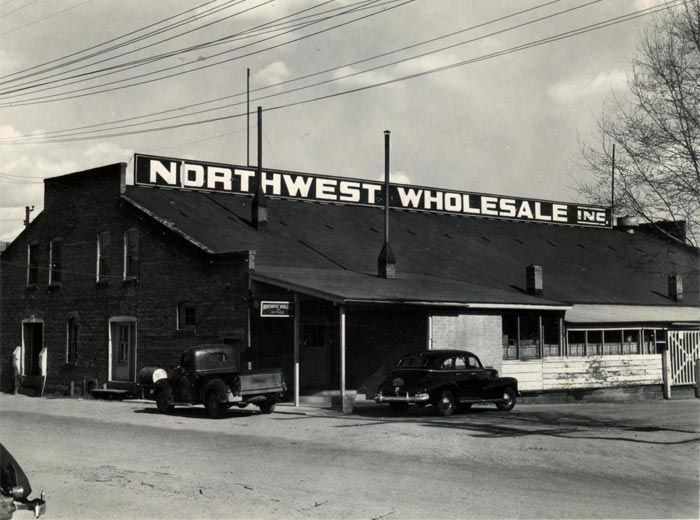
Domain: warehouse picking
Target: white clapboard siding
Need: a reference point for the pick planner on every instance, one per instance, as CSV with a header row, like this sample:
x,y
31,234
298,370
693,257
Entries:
x,y
601,371
528,374
561,373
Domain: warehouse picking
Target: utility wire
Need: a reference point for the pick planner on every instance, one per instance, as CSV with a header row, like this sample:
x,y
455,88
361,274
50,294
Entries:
x,y
198,16
299,78
110,41
55,97
44,18
19,8
536,43
112,69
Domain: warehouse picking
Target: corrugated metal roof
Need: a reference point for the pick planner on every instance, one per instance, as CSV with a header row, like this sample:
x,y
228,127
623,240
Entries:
x,y
439,257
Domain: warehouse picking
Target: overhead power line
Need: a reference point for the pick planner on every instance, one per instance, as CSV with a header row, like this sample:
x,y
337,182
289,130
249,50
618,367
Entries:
x,y
19,8
299,78
121,67
536,43
54,97
44,18
198,16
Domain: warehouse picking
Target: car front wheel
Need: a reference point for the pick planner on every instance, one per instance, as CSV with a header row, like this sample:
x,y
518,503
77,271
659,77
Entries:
x,y
507,400
446,403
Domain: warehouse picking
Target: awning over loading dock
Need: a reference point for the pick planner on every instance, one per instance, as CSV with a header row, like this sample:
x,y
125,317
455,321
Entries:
x,y
343,286
632,314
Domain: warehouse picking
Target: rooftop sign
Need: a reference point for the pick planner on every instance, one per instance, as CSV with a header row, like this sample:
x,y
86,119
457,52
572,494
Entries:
x,y
204,176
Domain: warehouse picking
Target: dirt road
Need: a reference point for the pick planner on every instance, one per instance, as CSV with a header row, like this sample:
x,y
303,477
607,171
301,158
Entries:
x,y
100,459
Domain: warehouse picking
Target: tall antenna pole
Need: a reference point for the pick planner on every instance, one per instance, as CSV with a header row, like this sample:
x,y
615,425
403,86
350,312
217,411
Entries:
x,y
386,185
612,194
247,115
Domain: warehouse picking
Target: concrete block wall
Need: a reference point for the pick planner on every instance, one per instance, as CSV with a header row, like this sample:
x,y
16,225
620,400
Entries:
x,y
171,270
476,332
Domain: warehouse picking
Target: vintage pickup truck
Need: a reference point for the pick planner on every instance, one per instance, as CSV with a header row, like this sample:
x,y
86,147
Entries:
x,y
212,375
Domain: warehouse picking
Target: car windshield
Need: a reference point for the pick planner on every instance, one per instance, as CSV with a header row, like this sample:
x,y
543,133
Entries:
x,y
413,362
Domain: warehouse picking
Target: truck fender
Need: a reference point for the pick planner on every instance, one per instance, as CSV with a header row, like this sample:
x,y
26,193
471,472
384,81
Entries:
x,y
163,386
218,386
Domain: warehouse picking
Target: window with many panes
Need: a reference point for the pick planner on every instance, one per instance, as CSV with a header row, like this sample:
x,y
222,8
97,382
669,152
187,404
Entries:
x,y
32,264
531,335
55,261
611,342
72,340
131,254
104,242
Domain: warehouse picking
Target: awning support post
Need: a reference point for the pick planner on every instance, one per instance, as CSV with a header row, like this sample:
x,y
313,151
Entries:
x,y
297,340
342,354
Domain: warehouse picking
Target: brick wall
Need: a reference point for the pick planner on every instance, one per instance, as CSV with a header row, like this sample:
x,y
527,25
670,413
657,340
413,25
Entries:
x,y
478,333
78,207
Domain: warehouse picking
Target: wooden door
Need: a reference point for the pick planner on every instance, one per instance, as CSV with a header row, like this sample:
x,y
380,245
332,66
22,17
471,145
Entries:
x,y
123,350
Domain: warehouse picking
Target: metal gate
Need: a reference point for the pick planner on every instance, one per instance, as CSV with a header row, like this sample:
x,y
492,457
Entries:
x,y
684,351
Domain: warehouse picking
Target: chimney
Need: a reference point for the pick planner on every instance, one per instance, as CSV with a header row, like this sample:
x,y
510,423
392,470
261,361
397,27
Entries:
x,y
533,274
626,224
259,206
675,287
386,263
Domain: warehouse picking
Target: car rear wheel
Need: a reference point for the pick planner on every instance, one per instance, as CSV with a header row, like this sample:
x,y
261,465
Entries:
x,y
446,403
398,408
267,406
162,403
507,400
214,407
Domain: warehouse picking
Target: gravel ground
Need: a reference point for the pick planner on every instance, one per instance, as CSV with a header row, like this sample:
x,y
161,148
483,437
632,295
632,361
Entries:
x,y
110,459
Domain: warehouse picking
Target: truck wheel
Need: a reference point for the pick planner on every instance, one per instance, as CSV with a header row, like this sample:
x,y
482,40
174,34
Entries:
x,y
162,403
446,403
508,400
398,408
267,406
214,407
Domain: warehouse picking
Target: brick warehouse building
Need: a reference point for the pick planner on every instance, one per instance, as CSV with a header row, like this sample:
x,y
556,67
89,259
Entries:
x,y
110,278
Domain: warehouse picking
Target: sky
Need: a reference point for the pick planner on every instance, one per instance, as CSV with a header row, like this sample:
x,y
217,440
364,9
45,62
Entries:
x,y
507,124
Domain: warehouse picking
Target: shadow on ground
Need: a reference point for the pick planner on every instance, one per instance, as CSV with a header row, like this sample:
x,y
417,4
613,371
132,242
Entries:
x,y
488,422
199,412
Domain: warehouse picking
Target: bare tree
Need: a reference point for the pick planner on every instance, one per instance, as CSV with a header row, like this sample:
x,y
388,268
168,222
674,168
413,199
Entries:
x,y
656,129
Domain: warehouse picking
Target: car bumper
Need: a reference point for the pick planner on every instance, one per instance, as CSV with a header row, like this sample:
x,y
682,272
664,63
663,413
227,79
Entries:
x,y
405,398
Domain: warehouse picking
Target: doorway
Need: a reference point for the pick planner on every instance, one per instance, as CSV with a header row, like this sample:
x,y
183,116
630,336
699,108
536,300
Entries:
x,y
32,342
122,350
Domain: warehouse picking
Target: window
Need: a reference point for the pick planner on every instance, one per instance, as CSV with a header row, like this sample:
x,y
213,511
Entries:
x,y
460,363
531,335
72,341
413,362
447,364
611,342
472,362
186,315
131,254
123,343
32,264
55,256
104,241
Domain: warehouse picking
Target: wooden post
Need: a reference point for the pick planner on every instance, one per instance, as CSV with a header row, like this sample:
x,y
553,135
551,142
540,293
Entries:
x,y
430,332
666,369
342,354
297,341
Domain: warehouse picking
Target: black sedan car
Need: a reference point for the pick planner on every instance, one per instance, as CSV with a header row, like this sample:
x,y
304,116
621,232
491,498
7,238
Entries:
x,y
445,379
